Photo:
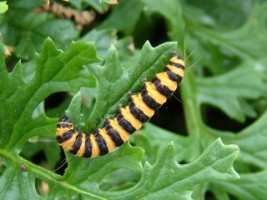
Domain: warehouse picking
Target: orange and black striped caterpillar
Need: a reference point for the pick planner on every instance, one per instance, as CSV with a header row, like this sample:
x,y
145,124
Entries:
x,y
115,131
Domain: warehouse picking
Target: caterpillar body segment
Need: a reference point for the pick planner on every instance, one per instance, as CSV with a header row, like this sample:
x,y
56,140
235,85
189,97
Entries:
x,y
115,131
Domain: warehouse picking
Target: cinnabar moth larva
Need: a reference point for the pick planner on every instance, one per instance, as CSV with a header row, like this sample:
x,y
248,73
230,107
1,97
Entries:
x,y
141,107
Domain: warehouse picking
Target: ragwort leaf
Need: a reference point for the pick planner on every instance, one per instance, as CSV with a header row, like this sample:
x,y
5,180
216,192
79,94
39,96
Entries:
x,y
27,30
226,91
248,187
55,72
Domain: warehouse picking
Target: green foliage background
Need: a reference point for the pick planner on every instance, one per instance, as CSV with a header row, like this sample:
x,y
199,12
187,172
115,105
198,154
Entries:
x,y
213,142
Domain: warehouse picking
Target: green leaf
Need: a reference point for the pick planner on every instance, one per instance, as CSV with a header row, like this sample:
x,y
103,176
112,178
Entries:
x,y
246,42
248,187
130,11
17,183
75,107
29,32
227,91
55,72
154,138
103,39
224,14
158,180
251,154
167,176
249,35
173,13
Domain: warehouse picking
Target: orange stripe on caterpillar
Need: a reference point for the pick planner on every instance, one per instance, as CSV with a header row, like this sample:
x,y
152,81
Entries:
x,y
140,108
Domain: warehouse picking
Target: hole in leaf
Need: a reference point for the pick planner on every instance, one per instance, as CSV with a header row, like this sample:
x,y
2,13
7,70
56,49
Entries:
x,y
55,100
155,30
42,187
62,164
119,179
232,197
158,27
35,154
11,62
209,195
43,153
2,167
206,72
183,162
254,168
171,116
217,119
